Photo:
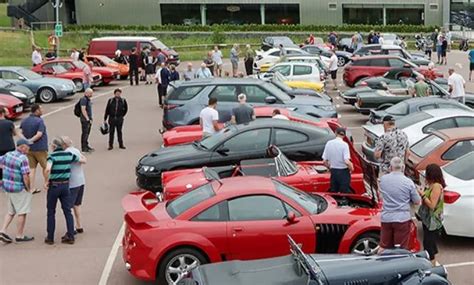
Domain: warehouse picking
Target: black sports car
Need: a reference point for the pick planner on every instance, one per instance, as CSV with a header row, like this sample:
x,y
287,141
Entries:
x,y
393,267
274,42
299,142
22,93
343,57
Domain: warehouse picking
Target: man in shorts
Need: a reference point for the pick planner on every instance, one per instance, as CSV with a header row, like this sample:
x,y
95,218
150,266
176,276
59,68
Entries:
x,y
16,184
333,68
34,130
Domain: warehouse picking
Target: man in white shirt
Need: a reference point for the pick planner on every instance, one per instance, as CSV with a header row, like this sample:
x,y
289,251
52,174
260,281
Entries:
x,y
456,85
75,54
208,118
333,68
217,58
337,158
36,57
381,41
203,72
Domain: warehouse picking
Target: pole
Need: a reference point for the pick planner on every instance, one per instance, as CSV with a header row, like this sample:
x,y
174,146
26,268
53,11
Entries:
x,y
57,4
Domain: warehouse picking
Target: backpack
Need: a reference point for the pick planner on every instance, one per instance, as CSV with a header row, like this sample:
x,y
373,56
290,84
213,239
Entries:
x,y
77,109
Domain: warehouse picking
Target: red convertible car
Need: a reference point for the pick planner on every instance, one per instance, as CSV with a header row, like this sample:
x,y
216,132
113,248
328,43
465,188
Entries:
x,y
222,220
188,134
108,74
14,106
308,176
49,69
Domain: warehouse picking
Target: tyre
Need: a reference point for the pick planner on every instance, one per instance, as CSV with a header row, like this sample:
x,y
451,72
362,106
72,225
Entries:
x,y
123,77
79,85
177,264
341,61
366,244
46,95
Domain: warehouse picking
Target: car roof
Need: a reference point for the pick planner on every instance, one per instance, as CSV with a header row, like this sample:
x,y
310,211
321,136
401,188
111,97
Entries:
x,y
253,184
124,38
375,57
431,99
456,133
448,112
296,63
12,68
208,81
275,123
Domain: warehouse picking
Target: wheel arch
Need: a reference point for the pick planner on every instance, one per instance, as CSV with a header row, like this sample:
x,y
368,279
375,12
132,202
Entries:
x,y
357,229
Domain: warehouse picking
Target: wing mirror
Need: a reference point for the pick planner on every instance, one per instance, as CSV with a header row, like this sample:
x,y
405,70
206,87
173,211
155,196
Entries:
x,y
270,100
223,151
291,217
21,78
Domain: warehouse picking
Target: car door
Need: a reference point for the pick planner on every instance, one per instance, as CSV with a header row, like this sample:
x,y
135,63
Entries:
x,y
256,95
226,100
249,144
258,228
304,73
378,66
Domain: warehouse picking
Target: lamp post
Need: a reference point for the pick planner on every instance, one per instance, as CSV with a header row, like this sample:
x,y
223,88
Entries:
x,y
57,4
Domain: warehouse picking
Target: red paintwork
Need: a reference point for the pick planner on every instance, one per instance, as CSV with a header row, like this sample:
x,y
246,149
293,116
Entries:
x,y
108,62
151,233
450,137
354,73
188,134
11,103
108,74
65,75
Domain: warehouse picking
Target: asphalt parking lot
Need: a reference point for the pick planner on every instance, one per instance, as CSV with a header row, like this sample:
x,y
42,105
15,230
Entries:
x,y
95,258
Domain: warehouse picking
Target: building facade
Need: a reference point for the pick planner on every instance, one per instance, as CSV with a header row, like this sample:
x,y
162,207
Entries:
x,y
206,12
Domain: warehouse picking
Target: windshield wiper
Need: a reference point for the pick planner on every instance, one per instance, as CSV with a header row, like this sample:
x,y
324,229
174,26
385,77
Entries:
x,y
306,263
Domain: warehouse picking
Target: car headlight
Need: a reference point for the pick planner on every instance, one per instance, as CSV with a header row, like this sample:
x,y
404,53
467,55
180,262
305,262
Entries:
x,y
171,56
291,108
18,94
147,168
326,107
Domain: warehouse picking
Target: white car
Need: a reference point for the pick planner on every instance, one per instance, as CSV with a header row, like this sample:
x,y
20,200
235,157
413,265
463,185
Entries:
x,y
419,125
298,71
271,56
459,196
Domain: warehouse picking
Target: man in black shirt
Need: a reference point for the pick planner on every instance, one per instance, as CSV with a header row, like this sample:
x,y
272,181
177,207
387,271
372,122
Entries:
x,y
86,119
115,111
134,62
7,131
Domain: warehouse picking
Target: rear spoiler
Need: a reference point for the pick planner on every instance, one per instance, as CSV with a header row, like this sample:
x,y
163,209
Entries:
x,y
137,206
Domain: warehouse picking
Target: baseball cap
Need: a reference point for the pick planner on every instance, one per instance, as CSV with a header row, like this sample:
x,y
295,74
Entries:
x,y
22,142
341,131
388,118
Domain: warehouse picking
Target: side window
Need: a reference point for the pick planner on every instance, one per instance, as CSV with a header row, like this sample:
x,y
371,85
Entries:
x,y
293,52
216,213
225,93
275,53
380,62
459,149
360,62
427,107
126,45
248,141
48,67
283,69
9,75
286,137
440,125
145,44
465,122
255,208
395,62
185,93
302,70
255,94
66,65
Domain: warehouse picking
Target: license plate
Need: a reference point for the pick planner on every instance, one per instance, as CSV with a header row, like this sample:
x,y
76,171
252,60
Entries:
x,y
19,109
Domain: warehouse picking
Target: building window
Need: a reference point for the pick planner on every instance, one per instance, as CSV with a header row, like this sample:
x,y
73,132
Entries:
x,y
282,14
369,16
332,6
181,14
234,14
434,7
405,16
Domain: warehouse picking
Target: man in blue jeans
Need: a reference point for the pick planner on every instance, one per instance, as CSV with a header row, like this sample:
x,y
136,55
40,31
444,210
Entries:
x,y
59,172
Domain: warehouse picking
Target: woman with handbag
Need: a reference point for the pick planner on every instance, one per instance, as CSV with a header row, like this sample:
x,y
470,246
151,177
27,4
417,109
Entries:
x,y
431,210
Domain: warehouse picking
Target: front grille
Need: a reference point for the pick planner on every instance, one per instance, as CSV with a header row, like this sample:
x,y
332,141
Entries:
x,y
329,236
357,282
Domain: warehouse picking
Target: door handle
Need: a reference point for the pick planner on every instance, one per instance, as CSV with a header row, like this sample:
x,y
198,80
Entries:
x,y
237,229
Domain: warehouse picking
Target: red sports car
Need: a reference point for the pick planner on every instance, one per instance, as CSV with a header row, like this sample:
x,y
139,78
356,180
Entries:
x,y
14,106
108,74
222,220
188,134
53,70
308,176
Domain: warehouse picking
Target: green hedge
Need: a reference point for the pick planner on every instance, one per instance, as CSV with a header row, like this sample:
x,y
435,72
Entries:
x,y
257,28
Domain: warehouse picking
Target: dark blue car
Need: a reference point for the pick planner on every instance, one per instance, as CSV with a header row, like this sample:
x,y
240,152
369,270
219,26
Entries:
x,y
186,99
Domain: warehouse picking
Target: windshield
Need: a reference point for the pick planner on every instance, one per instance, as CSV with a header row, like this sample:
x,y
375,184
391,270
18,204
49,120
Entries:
x,y
107,60
412,119
277,92
304,117
461,168
211,141
159,44
426,145
390,37
281,85
398,109
58,69
29,74
285,166
190,199
80,64
439,90
305,200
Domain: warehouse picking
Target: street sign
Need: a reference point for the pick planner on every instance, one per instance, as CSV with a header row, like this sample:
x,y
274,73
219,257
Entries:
x,y
58,30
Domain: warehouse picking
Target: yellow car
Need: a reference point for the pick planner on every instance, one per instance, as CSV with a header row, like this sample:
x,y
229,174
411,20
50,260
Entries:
x,y
265,67
316,86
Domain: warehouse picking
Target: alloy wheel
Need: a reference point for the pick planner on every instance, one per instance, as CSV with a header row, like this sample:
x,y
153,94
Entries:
x,y
366,246
179,267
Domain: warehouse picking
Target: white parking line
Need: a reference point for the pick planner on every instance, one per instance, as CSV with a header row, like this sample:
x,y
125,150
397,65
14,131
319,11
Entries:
x,y
459,264
112,255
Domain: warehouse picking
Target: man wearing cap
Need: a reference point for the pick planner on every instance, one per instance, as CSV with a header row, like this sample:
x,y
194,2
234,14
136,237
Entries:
x,y
59,173
115,111
16,184
393,143
337,157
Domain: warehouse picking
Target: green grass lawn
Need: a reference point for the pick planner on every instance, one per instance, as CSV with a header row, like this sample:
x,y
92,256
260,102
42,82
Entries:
x,y
4,20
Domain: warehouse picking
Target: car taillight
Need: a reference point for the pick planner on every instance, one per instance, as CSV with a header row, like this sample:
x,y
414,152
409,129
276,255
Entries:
x,y
363,83
450,196
170,106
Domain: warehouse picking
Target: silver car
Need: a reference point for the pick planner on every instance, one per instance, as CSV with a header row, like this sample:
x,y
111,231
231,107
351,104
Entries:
x,y
47,89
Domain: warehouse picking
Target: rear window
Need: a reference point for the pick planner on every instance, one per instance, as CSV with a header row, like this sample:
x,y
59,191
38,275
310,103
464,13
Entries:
x,y
185,93
360,62
426,145
189,200
462,167
412,119
398,109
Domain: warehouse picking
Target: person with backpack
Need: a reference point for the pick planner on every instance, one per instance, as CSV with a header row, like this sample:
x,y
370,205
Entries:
x,y
83,110
115,112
